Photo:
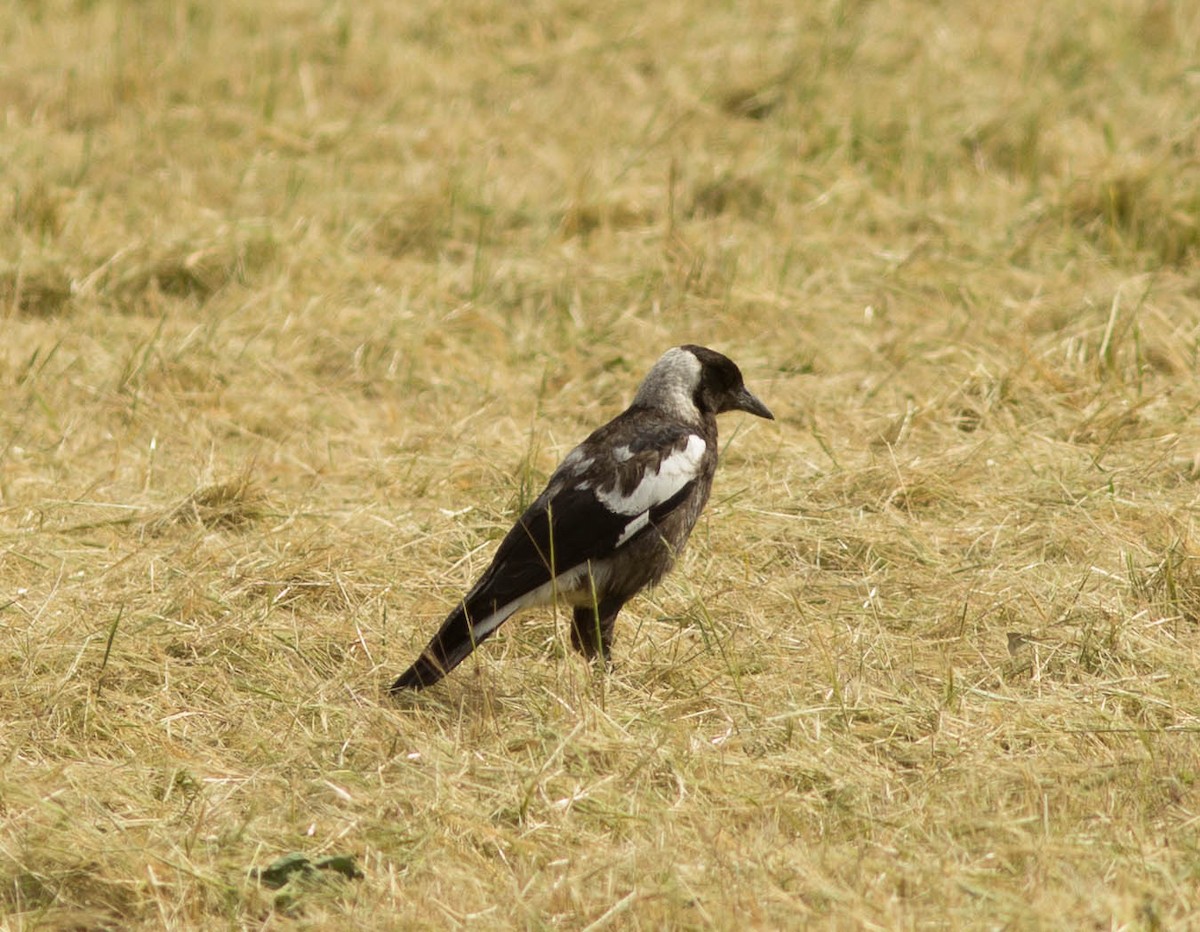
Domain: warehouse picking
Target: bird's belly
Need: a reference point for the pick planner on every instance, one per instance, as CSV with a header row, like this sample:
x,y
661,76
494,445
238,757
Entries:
x,y
644,561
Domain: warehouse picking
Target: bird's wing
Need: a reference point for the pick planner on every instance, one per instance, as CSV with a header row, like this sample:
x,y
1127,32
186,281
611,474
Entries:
x,y
609,489
621,480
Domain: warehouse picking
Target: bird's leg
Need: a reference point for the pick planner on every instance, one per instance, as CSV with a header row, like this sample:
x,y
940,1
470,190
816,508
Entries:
x,y
592,628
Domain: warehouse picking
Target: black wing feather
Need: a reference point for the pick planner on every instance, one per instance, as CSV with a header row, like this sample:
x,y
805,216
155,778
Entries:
x,y
568,525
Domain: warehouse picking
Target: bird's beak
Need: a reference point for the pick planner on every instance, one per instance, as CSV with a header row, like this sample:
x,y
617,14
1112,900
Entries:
x,y
745,401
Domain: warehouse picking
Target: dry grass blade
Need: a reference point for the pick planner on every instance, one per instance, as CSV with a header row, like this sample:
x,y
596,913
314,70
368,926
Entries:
x,y
228,505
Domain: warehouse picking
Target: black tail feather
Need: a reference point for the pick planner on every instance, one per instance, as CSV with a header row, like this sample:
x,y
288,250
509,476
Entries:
x,y
448,648
424,672
453,643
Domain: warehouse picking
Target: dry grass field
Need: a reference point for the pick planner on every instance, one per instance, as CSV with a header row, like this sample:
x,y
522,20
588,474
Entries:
x,y
301,301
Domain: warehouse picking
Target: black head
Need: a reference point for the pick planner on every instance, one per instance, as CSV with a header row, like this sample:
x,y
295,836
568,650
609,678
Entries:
x,y
720,386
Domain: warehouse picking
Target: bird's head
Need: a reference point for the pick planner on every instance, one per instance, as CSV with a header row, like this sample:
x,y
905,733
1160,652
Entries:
x,y
690,381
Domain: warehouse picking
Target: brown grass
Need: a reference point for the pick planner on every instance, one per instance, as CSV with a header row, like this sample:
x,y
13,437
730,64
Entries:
x,y
299,303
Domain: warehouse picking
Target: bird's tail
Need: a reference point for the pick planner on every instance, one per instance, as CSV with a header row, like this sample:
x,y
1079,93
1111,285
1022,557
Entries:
x,y
472,622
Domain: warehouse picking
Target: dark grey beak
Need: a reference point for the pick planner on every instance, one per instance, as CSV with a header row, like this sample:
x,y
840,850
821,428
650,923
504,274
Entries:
x,y
745,401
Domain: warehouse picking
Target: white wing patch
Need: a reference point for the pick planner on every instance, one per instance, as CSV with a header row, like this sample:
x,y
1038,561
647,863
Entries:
x,y
576,462
633,527
674,472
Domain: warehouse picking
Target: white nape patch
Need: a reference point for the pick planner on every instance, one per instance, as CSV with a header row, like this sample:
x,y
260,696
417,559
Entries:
x,y
670,386
572,586
674,472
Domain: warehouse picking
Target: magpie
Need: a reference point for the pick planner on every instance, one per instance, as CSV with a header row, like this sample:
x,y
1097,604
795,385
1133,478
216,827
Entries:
x,y
612,519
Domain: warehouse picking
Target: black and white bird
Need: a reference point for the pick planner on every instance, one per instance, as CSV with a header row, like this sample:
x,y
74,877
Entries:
x,y
612,519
